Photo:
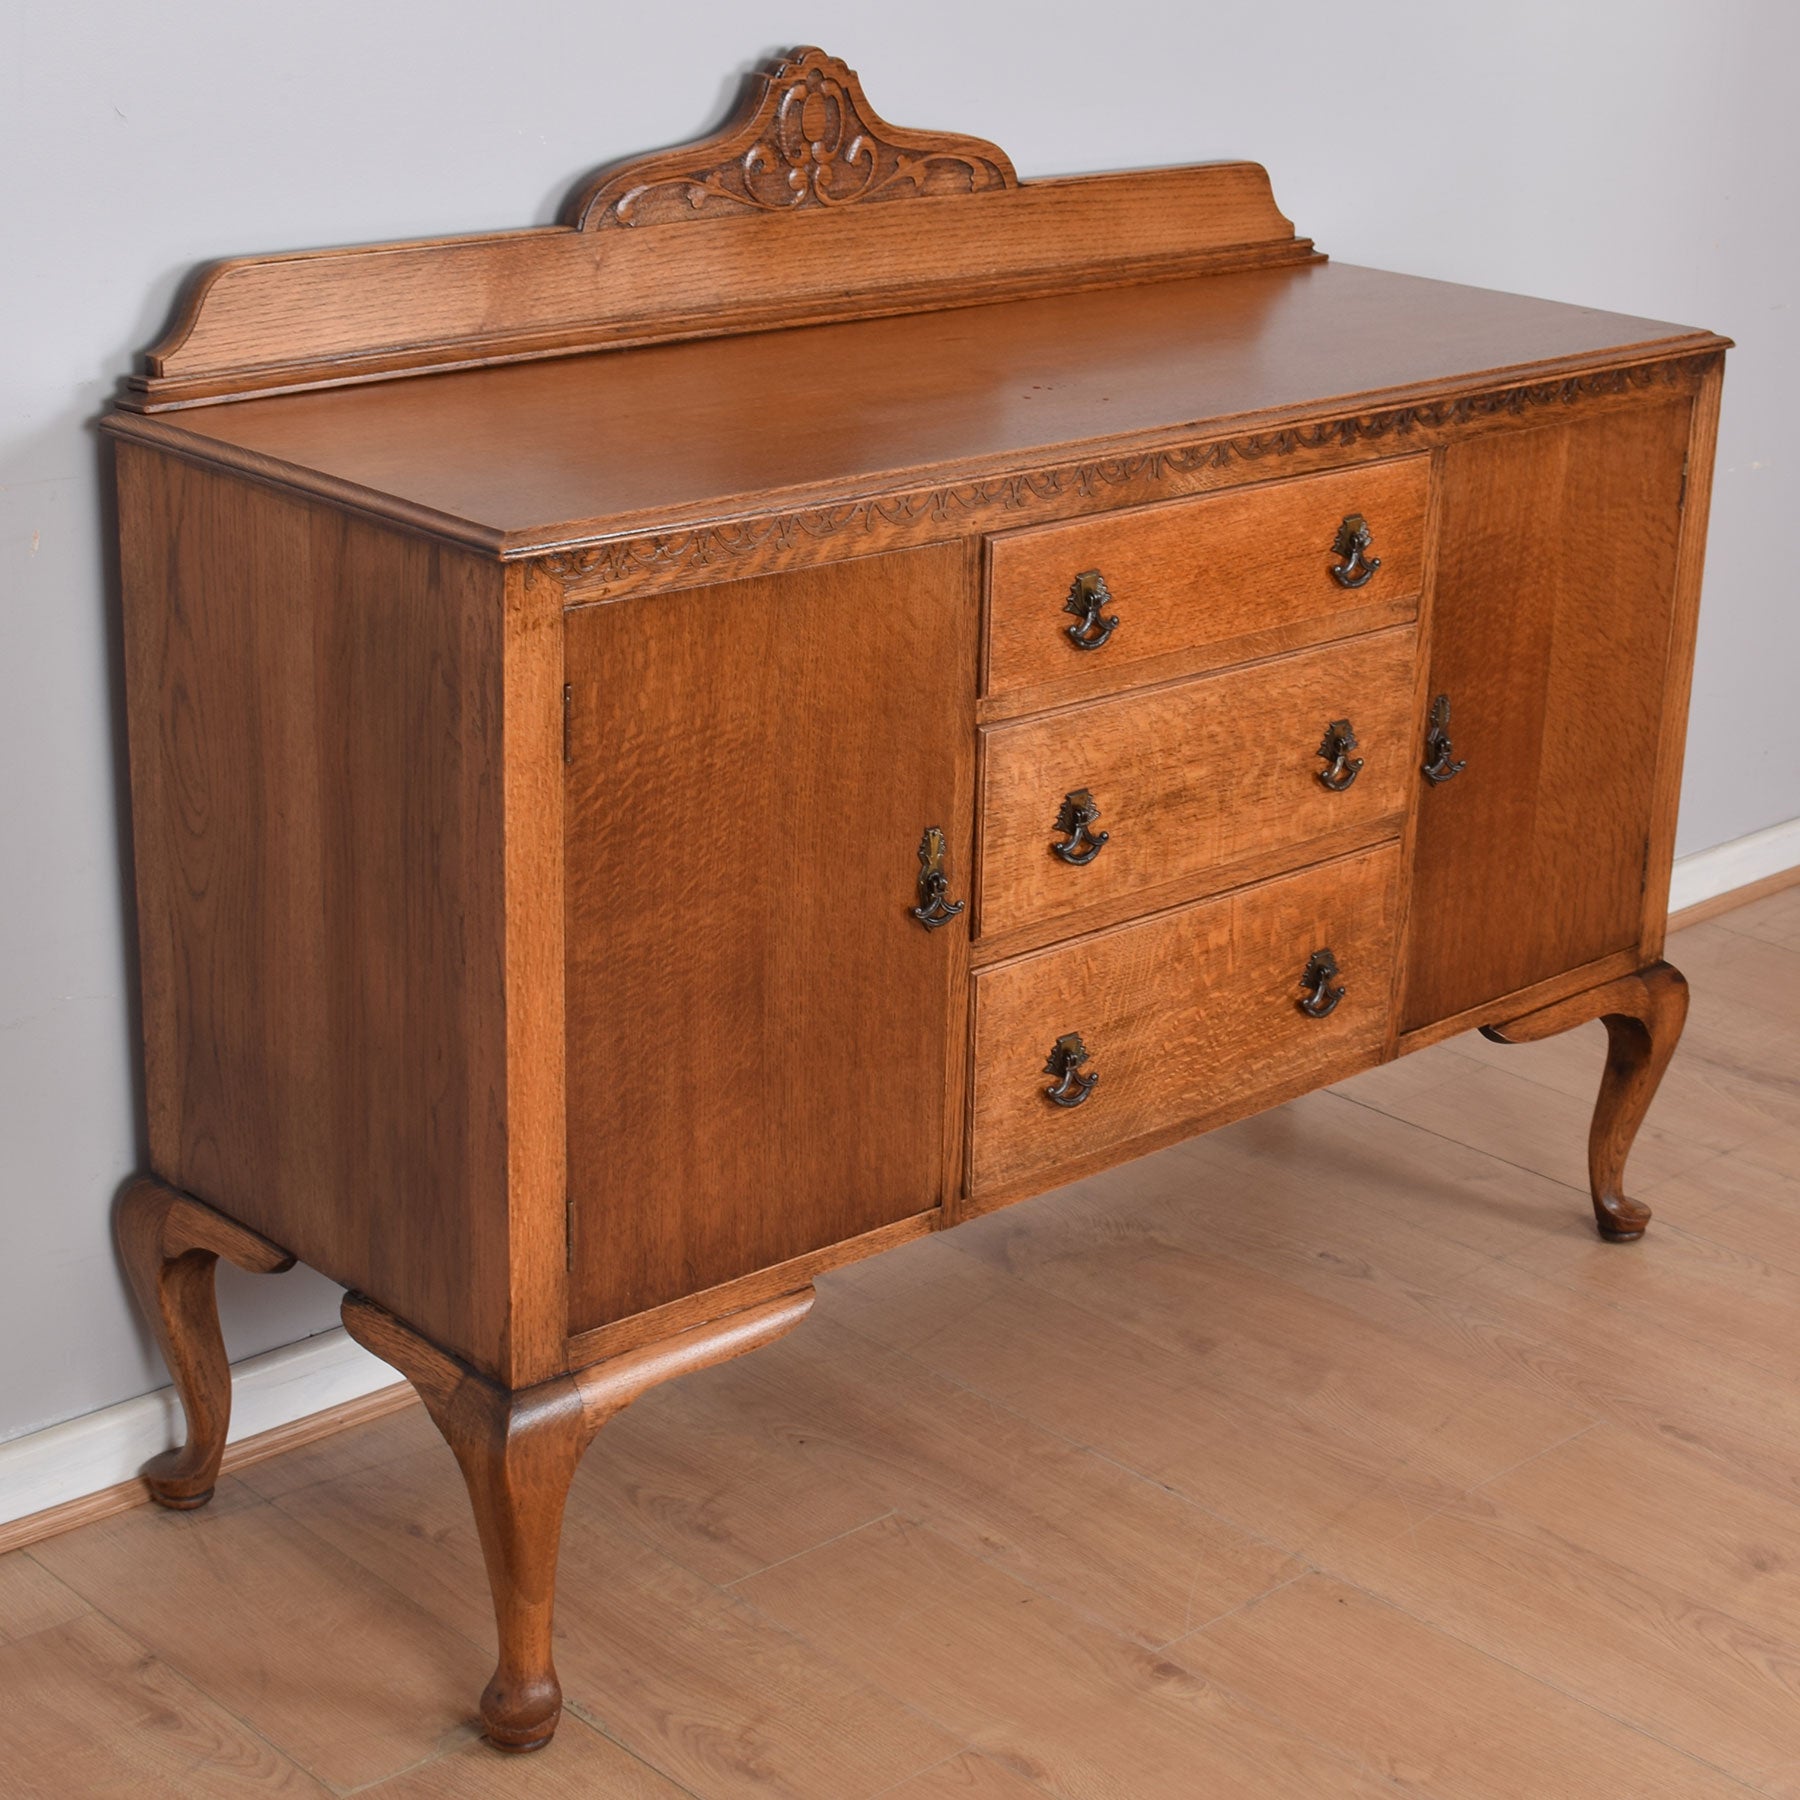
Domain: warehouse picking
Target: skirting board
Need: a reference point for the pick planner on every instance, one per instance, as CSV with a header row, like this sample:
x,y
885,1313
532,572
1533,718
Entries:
x,y
67,1474
1724,873
85,1468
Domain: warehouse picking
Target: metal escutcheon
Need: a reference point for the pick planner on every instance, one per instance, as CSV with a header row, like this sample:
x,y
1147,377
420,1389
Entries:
x,y
1079,845
1439,751
1071,1087
1340,740
935,908
1321,998
1353,543
1088,600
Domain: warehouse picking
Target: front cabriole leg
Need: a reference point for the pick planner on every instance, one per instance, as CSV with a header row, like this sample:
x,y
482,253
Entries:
x,y
170,1244
1643,1014
517,1449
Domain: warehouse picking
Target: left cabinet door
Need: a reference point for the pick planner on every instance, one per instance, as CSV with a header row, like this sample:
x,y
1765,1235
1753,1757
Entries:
x,y
759,1033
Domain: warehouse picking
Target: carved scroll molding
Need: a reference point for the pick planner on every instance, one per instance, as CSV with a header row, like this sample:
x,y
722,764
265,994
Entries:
x,y
863,527
805,137
790,223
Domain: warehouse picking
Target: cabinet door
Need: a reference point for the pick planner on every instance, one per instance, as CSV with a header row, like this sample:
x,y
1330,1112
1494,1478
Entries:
x,y
758,1030
1550,636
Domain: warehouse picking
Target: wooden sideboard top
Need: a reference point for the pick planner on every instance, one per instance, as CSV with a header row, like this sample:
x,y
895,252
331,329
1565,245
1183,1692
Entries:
x,y
526,456
812,323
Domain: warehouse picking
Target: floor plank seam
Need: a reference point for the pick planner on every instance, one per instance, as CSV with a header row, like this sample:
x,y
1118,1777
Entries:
x,y
193,1680
781,1562
955,1756
1247,1604
484,1643
1322,1564
458,1741
1443,1137
1657,1660
1076,1444
1444,1629
1647,1314
586,1716
1150,1695
1305,1730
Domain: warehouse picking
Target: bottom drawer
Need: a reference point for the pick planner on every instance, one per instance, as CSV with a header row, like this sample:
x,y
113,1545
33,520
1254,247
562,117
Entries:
x,y
1187,1017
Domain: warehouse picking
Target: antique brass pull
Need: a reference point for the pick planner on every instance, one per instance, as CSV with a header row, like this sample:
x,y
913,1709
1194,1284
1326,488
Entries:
x,y
1072,1087
934,909
1438,748
1322,997
1079,810
1340,740
1088,599
1353,544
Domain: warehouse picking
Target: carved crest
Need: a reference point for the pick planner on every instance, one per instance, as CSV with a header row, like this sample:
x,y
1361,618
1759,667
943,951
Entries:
x,y
805,137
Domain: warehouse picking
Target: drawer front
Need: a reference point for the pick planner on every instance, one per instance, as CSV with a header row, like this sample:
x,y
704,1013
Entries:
x,y
1191,1017
1194,775
1210,580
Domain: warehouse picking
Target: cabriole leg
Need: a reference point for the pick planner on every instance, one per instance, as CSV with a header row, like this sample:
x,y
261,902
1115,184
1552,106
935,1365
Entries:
x,y
171,1244
518,1449
1643,1014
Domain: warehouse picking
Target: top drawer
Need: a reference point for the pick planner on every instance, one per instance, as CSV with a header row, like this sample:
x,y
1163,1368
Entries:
x,y
1200,583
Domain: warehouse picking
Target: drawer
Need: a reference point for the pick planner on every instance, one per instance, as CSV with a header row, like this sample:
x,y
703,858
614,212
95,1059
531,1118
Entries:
x,y
1186,1019
1203,582
1194,775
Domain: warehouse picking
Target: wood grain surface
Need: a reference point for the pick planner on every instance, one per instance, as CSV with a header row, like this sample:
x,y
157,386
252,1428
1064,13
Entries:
x,y
1194,778
1191,1013
1350,1386
319,771
1678,677
170,1245
1643,1014
1202,575
1551,631
533,768
806,204
517,458
759,1032
518,1449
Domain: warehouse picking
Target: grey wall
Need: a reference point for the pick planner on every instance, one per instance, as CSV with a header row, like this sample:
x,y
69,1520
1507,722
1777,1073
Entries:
x,y
1634,154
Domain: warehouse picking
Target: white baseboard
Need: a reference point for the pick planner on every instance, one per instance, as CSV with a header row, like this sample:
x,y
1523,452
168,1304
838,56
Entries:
x,y
70,1461
1708,873
101,1449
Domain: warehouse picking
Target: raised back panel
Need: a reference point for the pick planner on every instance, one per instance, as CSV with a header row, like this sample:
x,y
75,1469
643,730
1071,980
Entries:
x,y
807,207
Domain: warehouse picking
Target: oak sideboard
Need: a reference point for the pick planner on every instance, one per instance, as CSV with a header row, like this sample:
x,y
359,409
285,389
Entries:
x,y
836,689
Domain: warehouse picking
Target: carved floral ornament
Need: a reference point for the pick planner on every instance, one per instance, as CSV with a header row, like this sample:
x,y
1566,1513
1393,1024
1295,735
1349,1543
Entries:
x,y
806,138
606,567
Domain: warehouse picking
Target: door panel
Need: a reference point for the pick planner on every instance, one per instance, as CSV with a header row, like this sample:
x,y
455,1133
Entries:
x,y
758,1032
1550,635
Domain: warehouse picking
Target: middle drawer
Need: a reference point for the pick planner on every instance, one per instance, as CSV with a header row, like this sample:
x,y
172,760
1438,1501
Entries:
x,y
1201,774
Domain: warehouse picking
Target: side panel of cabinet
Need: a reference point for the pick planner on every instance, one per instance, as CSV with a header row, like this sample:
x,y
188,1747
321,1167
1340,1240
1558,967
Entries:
x,y
759,1034
323,750
1551,628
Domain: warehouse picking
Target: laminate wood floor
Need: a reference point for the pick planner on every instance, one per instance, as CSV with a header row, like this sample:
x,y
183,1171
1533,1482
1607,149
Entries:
x,y
1331,1455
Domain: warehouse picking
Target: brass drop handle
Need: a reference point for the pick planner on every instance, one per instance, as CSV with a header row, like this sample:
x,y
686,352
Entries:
x,y
1079,811
1353,543
1088,600
935,908
1438,749
1071,1087
1340,740
1321,998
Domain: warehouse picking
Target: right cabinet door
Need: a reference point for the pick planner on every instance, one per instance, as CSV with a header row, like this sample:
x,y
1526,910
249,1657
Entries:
x,y
1551,624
